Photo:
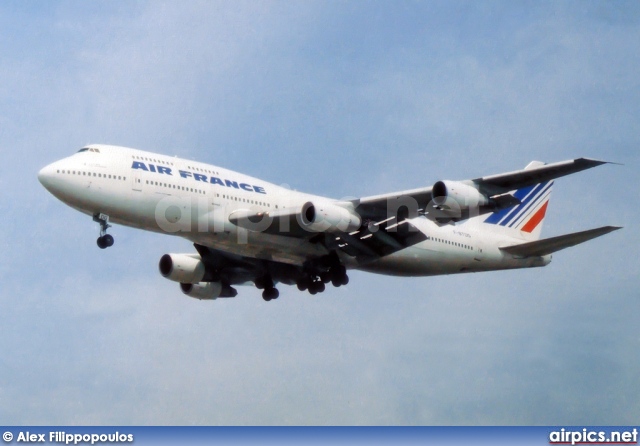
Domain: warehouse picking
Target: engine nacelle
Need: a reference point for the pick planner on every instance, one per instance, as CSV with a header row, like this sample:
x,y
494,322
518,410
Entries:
x,y
202,290
321,216
183,268
464,195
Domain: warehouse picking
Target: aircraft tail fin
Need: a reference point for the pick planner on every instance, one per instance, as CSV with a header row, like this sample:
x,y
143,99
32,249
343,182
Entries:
x,y
553,244
524,220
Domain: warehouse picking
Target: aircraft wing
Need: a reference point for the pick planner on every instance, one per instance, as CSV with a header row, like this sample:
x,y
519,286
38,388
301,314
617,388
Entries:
x,y
375,240
505,182
553,244
495,186
386,226
233,269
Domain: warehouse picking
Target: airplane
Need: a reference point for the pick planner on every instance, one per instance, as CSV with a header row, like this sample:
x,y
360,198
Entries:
x,y
248,231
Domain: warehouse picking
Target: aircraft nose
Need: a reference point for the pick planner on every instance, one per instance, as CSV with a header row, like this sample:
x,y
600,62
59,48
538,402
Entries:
x,y
45,175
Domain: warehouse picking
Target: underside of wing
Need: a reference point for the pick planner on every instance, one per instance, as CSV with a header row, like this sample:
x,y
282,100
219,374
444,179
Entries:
x,y
377,239
222,270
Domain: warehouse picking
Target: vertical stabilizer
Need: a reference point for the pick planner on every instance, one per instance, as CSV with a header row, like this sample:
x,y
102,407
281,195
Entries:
x,y
524,221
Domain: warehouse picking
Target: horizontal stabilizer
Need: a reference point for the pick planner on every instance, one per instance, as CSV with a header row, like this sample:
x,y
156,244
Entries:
x,y
553,244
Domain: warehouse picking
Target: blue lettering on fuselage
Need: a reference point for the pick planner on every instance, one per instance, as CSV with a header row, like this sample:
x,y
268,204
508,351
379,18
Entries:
x,y
198,177
230,183
152,168
139,165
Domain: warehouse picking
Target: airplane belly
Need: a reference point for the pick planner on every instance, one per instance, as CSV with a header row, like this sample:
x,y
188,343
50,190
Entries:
x,y
425,259
410,262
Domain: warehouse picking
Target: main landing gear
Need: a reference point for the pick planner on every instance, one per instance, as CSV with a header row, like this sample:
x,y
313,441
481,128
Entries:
x,y
337,275
105,240
269,291
270,294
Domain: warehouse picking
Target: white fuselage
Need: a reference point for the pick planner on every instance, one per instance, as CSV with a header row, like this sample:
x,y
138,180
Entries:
x,y
194,200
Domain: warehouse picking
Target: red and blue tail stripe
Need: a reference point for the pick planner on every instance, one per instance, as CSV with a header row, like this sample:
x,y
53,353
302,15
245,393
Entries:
x,y
527,215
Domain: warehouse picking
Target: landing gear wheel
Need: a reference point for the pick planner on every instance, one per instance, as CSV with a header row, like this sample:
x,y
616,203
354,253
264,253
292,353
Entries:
x,y
105,240
325,276
108,240
316,287
340,280
270,294
338,272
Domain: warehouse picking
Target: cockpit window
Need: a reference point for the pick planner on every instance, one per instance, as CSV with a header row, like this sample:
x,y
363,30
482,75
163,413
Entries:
x,y
89,149
83,150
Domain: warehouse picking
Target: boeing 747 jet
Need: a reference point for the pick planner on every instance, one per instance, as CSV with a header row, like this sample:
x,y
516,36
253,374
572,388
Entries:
x,y
248,231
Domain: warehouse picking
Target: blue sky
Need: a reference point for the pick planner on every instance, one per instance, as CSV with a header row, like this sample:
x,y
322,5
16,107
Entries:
x,y
339,99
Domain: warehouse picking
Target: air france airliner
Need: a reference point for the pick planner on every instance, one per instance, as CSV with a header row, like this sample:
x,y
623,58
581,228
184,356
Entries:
x,y
248,231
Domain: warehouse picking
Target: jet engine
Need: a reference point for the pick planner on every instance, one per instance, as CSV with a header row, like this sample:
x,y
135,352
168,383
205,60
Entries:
x,y
202,290
183,268
464,195
321,216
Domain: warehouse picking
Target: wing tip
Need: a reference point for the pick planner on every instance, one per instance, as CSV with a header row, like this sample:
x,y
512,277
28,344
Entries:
x,y
592,162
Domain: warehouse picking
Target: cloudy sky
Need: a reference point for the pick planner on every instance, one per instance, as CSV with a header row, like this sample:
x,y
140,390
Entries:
x,y
339,99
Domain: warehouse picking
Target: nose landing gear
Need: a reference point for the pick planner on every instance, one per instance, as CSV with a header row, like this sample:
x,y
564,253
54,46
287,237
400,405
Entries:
x,y
105,240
